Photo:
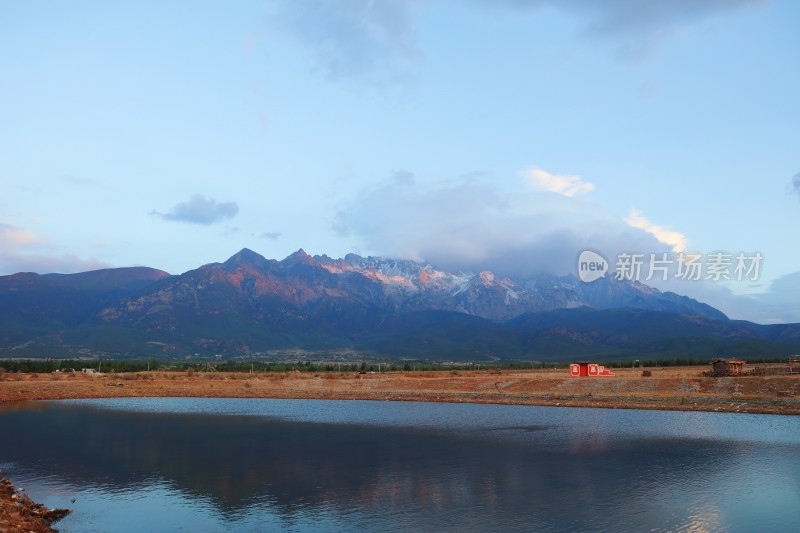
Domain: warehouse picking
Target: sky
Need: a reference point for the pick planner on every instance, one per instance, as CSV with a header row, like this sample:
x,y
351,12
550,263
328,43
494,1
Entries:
x,y
504,135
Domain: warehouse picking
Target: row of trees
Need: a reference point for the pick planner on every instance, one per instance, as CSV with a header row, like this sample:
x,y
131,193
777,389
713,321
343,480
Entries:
x,y
683,362
309,366
106,365
128,365
51,365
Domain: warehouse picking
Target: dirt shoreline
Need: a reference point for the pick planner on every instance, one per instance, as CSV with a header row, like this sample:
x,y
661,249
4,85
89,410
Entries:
x,y
672,388
18,513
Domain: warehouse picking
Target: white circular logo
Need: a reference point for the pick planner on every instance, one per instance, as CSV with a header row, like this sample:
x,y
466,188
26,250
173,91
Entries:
x,y
591,266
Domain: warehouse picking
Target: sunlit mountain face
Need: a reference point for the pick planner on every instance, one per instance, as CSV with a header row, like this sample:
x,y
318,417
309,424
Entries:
x,y
249,304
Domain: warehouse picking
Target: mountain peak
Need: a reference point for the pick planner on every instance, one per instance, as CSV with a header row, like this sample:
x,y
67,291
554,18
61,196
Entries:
x,y
247,256
300,256
300,253
352,258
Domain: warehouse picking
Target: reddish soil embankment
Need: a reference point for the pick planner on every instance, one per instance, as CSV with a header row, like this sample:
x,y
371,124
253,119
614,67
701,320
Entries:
x,y
682,388
19,513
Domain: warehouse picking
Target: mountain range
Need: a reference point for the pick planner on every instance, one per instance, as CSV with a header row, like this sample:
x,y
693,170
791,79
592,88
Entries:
x,y
251,306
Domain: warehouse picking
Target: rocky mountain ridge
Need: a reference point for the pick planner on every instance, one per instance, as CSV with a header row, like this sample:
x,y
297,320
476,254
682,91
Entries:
x,y
250,304
405,285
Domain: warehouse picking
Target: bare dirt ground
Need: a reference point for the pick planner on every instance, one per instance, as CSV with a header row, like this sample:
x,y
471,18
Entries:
x,y
673,388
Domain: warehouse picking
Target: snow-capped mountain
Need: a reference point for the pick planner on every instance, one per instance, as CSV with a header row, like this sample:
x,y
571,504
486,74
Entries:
x,y
249,303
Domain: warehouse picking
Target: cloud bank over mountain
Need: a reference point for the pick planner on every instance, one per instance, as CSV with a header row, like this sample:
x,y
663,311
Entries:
x,y
22,250
474,226
471,225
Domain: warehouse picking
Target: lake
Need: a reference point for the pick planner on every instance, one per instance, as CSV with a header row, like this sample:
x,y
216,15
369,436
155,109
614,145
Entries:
x,y
189,464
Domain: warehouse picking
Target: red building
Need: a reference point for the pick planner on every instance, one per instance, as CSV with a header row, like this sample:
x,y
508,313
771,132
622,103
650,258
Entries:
x,y
585,368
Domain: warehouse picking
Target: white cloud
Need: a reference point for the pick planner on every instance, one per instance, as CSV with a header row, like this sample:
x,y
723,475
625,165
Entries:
x,y
358,39
79,181
635,27
472,226
566,185
11,263
376,41
14,237
23,251
200,210
676,240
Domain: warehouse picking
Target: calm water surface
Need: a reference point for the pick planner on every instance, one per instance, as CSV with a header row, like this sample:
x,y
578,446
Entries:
x,y
187,464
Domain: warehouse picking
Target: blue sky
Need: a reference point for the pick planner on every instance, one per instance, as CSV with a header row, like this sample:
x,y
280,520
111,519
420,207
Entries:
x,y
503,135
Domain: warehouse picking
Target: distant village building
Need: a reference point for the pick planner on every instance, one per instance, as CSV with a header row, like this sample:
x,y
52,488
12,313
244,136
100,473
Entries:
x,y
726,367
734,367
585,368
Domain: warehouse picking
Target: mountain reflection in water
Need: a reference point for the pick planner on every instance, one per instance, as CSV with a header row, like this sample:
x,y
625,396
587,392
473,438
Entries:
x,y
514,475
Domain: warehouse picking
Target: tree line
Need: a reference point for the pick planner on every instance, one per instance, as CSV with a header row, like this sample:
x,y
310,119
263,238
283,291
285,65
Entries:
x,y
133,365
66,365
